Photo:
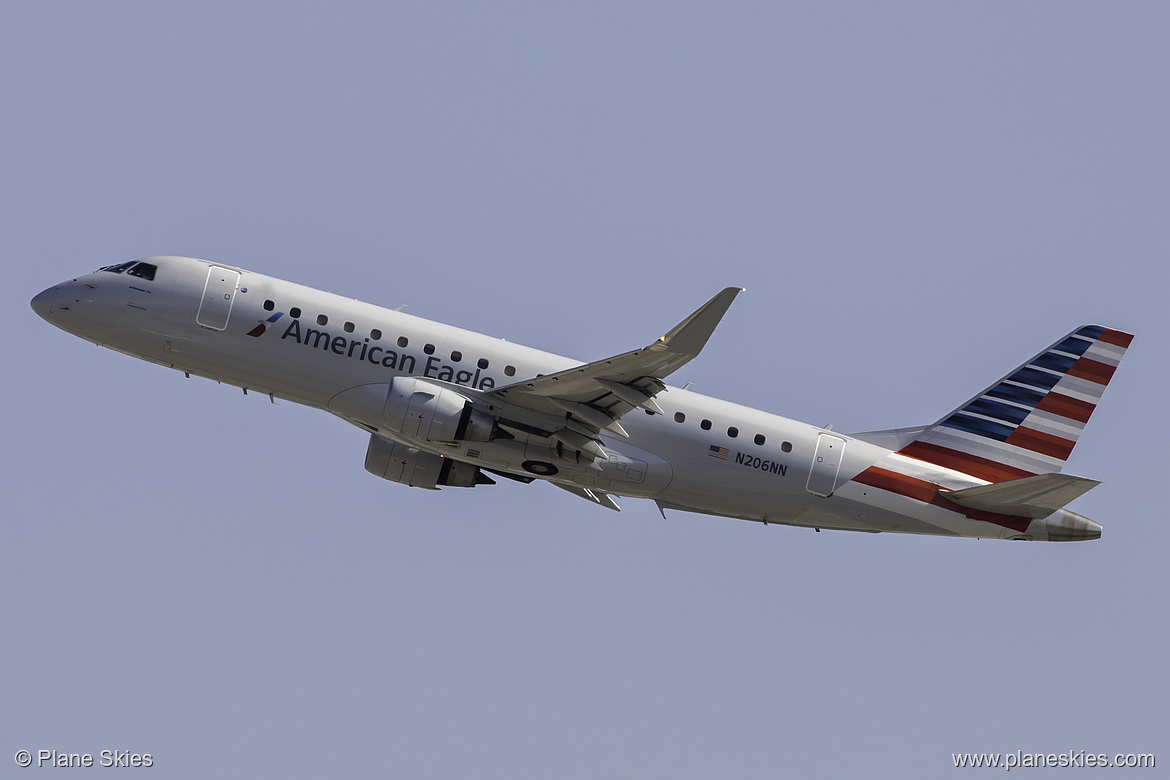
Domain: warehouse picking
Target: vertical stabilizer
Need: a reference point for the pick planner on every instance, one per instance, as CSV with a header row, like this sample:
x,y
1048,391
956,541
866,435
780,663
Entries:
x,y
1029,421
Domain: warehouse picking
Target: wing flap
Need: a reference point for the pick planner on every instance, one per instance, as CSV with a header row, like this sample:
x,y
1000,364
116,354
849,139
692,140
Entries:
x,y
1037,496
589,494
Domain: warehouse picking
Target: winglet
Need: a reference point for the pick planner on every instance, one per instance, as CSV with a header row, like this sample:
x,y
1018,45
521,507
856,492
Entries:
x,y
690,336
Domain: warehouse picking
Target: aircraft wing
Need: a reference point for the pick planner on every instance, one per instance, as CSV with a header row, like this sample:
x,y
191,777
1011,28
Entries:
x,y
582,401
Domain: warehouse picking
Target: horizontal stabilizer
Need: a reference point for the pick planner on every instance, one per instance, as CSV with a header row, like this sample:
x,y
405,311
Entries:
x,y
1037,496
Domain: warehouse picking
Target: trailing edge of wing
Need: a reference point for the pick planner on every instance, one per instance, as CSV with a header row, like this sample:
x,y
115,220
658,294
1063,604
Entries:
x,y
603,391
1037,496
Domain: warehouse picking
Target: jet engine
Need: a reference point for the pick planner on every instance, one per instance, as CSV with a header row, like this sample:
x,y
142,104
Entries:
x,y
421,410
399,463
417,409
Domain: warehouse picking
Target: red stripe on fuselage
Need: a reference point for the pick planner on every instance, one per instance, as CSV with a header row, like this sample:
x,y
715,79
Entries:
x,y
928,493
963,461
902,484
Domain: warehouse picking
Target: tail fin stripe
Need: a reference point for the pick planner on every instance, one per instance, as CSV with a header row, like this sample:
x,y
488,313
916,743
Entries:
x,y
1105,353
998,410
1045,444
978,425
1116,337
1093,331
1054,361
1064,406
1064,427
1032,377
1018,393
1073,345
1092,370
1082,389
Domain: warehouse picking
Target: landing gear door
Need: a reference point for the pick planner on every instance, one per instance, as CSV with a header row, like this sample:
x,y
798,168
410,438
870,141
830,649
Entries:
x,y
218,295
822,479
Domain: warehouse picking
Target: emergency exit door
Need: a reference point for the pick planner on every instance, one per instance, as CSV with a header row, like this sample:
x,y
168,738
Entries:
x,y
218,295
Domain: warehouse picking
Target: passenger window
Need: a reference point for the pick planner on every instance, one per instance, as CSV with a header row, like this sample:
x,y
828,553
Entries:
x,y
509,371
759,438
705,425
322,319
295,312
429,349
786,447
680,417
456,356
269,305
347,327
403,341
733,431
482,363
143,271
376,334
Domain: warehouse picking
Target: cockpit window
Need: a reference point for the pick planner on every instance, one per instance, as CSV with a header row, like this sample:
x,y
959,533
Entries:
x,y
133,268
117,269
143,271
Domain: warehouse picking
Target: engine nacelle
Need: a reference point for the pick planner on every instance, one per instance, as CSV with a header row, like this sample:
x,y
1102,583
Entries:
x,y
399,463
426,411
415,408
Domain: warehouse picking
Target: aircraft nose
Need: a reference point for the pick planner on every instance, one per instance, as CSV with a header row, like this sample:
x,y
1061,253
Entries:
x,y
52,302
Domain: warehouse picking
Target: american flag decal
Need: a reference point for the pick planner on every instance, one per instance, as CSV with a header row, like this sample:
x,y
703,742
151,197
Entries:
x,y
717,452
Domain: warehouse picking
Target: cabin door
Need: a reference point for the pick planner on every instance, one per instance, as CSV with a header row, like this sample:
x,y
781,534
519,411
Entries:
x,y
218,295
822,479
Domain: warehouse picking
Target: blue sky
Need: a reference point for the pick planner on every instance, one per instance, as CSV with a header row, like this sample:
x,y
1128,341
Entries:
x,y
917,198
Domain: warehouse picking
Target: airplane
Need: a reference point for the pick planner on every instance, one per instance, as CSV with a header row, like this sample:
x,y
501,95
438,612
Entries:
x,y
448,407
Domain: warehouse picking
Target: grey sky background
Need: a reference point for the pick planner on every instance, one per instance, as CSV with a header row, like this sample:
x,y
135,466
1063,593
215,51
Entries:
x,y
917,196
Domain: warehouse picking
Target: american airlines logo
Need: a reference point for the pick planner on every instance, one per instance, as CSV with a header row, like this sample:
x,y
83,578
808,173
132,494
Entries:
x,y
258,331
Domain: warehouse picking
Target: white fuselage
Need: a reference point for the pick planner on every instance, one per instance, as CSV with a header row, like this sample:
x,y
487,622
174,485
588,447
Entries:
x,y
703,455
